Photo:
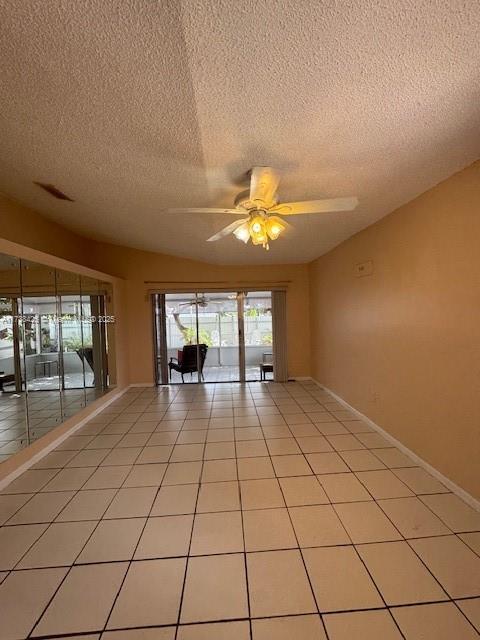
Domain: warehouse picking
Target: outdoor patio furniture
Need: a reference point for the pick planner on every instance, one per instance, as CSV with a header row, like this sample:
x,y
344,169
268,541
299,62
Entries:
x,y
6,378
266,366
46,365
188,362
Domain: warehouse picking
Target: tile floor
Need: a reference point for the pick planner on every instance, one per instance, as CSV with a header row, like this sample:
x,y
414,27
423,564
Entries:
x,y
46,410
255,512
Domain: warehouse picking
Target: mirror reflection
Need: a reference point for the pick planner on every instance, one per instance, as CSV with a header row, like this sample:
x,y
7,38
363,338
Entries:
x,y
56,336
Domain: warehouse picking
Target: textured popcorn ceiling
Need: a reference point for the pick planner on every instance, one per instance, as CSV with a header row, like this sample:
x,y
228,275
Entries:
x,y
132,106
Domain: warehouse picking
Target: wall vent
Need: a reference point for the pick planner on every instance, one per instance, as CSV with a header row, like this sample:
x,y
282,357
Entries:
x,y
53,191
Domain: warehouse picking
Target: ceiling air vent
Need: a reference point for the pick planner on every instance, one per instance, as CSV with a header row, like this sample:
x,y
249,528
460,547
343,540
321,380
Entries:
x,y
53,191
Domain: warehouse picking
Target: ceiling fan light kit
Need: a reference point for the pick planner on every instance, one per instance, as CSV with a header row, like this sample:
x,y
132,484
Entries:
x,y
260,205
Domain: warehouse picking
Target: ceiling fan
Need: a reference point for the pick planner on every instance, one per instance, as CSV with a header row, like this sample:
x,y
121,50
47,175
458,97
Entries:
x,y
262,210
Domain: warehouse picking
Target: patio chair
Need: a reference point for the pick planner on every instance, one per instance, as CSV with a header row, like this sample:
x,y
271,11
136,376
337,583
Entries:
x,y
188,362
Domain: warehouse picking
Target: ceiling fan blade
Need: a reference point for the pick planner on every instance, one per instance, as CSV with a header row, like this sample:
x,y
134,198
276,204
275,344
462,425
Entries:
x,y
242,212
228,229
315,206
263,186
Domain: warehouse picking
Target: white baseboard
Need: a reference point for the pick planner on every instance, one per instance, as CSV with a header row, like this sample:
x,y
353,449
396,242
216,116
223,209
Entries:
x,y
54,444
141,384
454,488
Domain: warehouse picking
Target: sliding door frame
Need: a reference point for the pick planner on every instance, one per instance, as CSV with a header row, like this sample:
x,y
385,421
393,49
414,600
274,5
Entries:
x,y
161,374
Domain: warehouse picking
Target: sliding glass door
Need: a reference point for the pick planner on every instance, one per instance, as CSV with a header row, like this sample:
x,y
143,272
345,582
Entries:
x,y
213,337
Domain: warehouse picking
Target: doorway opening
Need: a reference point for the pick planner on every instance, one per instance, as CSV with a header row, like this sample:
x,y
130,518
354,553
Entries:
x,y
213,337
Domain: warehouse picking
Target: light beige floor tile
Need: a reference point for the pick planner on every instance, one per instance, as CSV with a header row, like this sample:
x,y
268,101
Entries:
x,y
303,490
15,541
30,481
383,484
91,458
373,440
154,633
103,442
261,494
393,457
219,450
331,428
471,608
362,460
300,627
113,540
339,579
365,522
454,565
69,479
150,594
343,487
314,444
329,462
239,630
175,500
219,470
221,423
11,504
219,435
75,443
294,465
456,514
108,478
217,533
318,526
83,601
43,507
54,460
215,589
347,442
87,505
268,529
282,446
218,496
251,448
145,475
131,503
278,584
420,481
399,574
155,454
361,625
304,430
187,452
248,433
277,431
412,518
183,473
122,456
184,437
134,440
358,426
255,468
433,621
59,545
23,596
165,537
473,541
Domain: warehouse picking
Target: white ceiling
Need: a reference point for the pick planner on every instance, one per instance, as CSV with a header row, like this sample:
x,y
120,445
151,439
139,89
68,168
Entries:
x,y
134,106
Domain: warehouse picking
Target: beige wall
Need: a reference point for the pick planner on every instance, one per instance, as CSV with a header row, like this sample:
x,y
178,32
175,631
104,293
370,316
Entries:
x,y
27,227
133,305
403,345
144,271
